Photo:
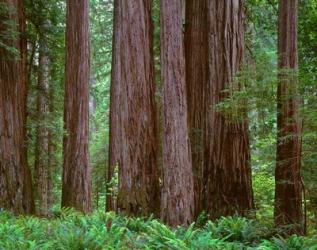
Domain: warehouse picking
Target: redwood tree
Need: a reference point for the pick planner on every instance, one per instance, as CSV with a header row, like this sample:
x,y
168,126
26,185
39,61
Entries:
x,y
288,200
41,146
51,163
178,188
196,49
76,189
214,52
15,179
133,140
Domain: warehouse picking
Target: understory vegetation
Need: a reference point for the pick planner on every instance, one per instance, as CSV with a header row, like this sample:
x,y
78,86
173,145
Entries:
x,y
71,230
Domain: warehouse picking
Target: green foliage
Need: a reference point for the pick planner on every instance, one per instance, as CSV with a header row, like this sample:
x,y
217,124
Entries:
x,y
70,230
46,28
9,30
239,230
254,93
101,18
308,72
292,243
263,189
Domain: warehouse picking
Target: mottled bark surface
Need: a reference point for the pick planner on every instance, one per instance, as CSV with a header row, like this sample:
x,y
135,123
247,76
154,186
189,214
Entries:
x,y
51,168
113,116
51,149
196,79
288,200
76,189
41,146
177,207
227,172
28,199
15,179
133,142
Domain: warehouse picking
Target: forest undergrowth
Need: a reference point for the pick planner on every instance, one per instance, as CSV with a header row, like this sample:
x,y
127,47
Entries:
x,y
73,231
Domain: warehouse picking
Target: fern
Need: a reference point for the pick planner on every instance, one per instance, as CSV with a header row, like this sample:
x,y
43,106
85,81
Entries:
x,y
74,231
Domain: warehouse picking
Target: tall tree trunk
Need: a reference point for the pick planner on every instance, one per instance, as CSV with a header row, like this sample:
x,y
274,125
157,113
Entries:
x,y
28,200
133,142
227,171
196,51
178,187
51,154
41,147
113,117
288,199
15,178
76,190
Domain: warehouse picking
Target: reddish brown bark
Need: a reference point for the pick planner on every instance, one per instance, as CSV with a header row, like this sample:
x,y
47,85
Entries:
x,y
76,189
227,172
178,187
28,187
196,79
51,152
288,199
113,117
41,147
133,142
15,179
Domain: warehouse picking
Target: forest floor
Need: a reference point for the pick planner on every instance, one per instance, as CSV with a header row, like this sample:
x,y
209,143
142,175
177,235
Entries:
x,y
69,230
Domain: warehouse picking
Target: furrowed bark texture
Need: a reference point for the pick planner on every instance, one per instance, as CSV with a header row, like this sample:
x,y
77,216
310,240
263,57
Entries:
x,y
196,79
51,153
133,140
76,190
288,200
41,147
28,199
15,179
227,172
177,206
113,116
